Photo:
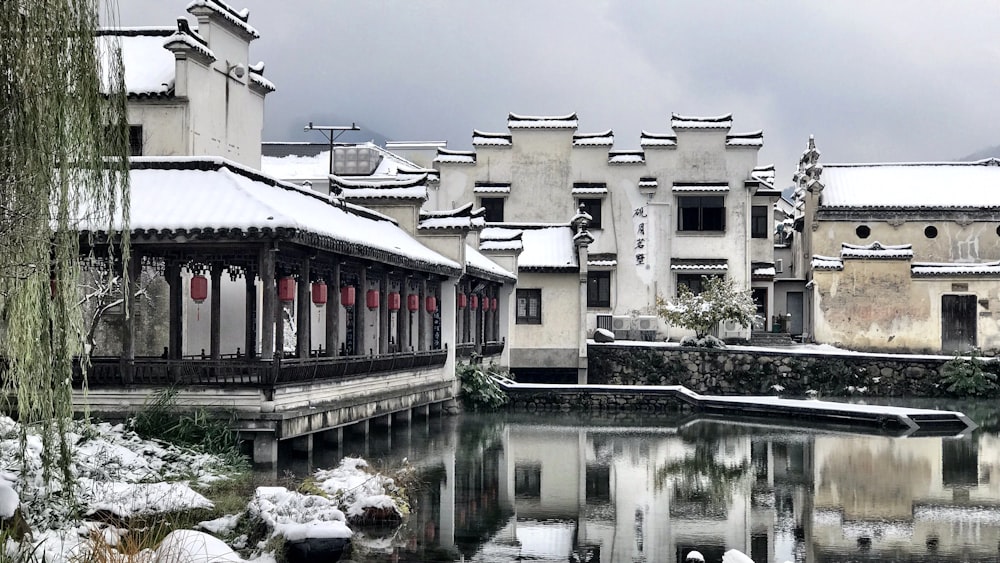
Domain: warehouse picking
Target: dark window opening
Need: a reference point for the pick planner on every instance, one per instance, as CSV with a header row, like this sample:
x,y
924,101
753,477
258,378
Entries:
x,y
529,306
527,481
694,282
135,140
930,231
598,289
863,231
701,213
494,208
593,208
758,222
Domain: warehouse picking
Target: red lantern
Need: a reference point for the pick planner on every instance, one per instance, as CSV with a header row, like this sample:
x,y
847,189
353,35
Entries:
x,y
347,296
394,301
286,289
371,299
199,288
461,300
413,302
493,304
431,304
474,302
319,293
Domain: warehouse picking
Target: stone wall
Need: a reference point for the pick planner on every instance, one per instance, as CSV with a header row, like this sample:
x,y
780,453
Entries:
x,y
792,373
562,400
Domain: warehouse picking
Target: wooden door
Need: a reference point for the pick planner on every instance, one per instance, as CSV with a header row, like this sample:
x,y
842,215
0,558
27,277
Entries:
x,y
958,323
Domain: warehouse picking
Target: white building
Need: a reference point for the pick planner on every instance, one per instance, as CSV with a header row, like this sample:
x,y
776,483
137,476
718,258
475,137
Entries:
x,y
689,203
192,90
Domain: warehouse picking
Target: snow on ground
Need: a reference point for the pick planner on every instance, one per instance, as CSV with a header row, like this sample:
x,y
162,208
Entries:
x,y
116,471
813,349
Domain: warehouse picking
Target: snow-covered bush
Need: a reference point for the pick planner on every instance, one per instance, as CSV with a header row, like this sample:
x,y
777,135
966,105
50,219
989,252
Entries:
x,y
719,301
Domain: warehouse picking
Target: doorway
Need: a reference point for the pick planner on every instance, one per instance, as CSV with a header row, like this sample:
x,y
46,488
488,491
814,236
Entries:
x,y
958,323
793,306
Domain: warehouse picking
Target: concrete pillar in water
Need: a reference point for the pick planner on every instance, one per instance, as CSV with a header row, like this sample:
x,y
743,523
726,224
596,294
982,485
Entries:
x,y
303,444
265,449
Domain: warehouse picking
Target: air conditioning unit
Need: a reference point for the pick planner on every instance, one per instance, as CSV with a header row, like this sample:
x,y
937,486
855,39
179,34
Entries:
x,y
646,325
621,325
779,266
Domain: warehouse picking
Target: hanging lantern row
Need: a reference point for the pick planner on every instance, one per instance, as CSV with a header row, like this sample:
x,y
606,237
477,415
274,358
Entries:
x,y
493,304
371,299
474,302
431,304
461,300
319,293
286,289
199,289
394,301
412,302
347,296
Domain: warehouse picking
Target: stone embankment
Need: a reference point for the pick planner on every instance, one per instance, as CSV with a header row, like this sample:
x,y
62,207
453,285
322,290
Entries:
x,y
739,371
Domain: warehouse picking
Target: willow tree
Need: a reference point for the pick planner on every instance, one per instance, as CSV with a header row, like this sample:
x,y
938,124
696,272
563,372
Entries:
x,y
63,172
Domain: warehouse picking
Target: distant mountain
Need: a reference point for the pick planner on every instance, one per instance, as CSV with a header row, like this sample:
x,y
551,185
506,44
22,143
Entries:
x,y
992,152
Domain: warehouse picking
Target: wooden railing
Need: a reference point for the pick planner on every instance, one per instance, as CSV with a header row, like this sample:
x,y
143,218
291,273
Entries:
x,y
243,372
493,348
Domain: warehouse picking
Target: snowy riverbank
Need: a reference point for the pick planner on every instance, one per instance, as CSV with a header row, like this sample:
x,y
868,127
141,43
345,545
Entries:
x,y
119,476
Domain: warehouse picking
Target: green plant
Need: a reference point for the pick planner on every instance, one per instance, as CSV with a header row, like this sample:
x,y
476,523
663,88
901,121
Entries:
x,y
965,377
719,301
479,390
161,419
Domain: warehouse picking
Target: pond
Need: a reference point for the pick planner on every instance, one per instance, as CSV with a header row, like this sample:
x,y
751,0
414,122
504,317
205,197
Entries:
x,y
564,487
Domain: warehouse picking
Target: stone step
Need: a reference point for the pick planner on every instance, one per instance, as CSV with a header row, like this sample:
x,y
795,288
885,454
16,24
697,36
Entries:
x,y
771,339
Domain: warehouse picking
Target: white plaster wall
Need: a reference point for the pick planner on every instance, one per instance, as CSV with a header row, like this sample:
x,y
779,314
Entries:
x,y
164,126
971,242
560,312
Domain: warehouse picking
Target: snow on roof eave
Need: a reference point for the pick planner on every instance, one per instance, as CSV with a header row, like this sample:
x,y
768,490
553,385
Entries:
x,y
626,157
447,156
753,139
466,210
516,121
483,138
259,80
657,140
236,19
724,121
481,266
954,269
602,139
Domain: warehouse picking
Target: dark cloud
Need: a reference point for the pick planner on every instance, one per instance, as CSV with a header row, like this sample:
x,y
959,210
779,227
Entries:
x,y
894,80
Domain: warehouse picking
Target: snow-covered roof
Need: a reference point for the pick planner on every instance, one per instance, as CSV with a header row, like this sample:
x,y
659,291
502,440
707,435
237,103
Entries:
x,y
691,122
482,138
491,188
762,270
455,157
256,75
626,157
713,187
466,217
763,173
951,269
877,251
500,239
602,263
237,19
402,186
604,139
548,249
210,194
658,140
702,264
589,189
515,121
913,185
826,263
150,69
390,167
648,183
754,139
481,266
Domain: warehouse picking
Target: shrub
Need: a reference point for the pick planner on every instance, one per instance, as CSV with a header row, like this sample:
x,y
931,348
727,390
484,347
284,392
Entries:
x,y
965,377
479,391
719,301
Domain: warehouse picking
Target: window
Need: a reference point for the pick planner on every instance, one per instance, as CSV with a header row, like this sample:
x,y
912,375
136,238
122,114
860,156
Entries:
x,y
863,231
529,306
593,208
701,213
758,222
135,140
598,289
693,282
494,208
930,231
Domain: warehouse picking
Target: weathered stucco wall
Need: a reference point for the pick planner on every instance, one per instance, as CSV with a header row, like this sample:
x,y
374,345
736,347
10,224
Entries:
x,y
731,371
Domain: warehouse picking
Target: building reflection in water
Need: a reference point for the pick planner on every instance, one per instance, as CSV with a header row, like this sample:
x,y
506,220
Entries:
x,y
550,488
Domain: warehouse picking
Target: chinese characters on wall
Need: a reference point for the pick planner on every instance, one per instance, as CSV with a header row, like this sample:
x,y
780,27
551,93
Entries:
x,y
639,220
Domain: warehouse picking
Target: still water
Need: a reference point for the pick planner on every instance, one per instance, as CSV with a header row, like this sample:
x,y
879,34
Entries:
x,y
551,487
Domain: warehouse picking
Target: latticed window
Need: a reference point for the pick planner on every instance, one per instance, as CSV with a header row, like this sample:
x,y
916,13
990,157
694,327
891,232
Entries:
x,y
529,306
701,213
598,289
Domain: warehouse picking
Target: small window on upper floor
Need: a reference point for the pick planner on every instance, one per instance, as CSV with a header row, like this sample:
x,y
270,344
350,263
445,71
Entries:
x,y
593,208
529,306
863,231
759,222
135,140
494,208
701,213
598,288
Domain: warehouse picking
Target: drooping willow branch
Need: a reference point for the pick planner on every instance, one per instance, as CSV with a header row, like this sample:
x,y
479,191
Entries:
x,y
64,164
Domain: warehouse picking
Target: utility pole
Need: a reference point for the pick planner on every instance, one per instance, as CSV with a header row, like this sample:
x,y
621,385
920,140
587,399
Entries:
x,y
332,133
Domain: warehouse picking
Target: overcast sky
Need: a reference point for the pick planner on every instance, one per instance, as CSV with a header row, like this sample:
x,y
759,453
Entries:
x,y
903,80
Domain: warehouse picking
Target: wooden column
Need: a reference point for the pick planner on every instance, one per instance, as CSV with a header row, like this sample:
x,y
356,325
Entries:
x,y
250,328
303,322
422,317
383,313
268,307
216,304
360,311
404,316
333,312
133,270
279,321
175,311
